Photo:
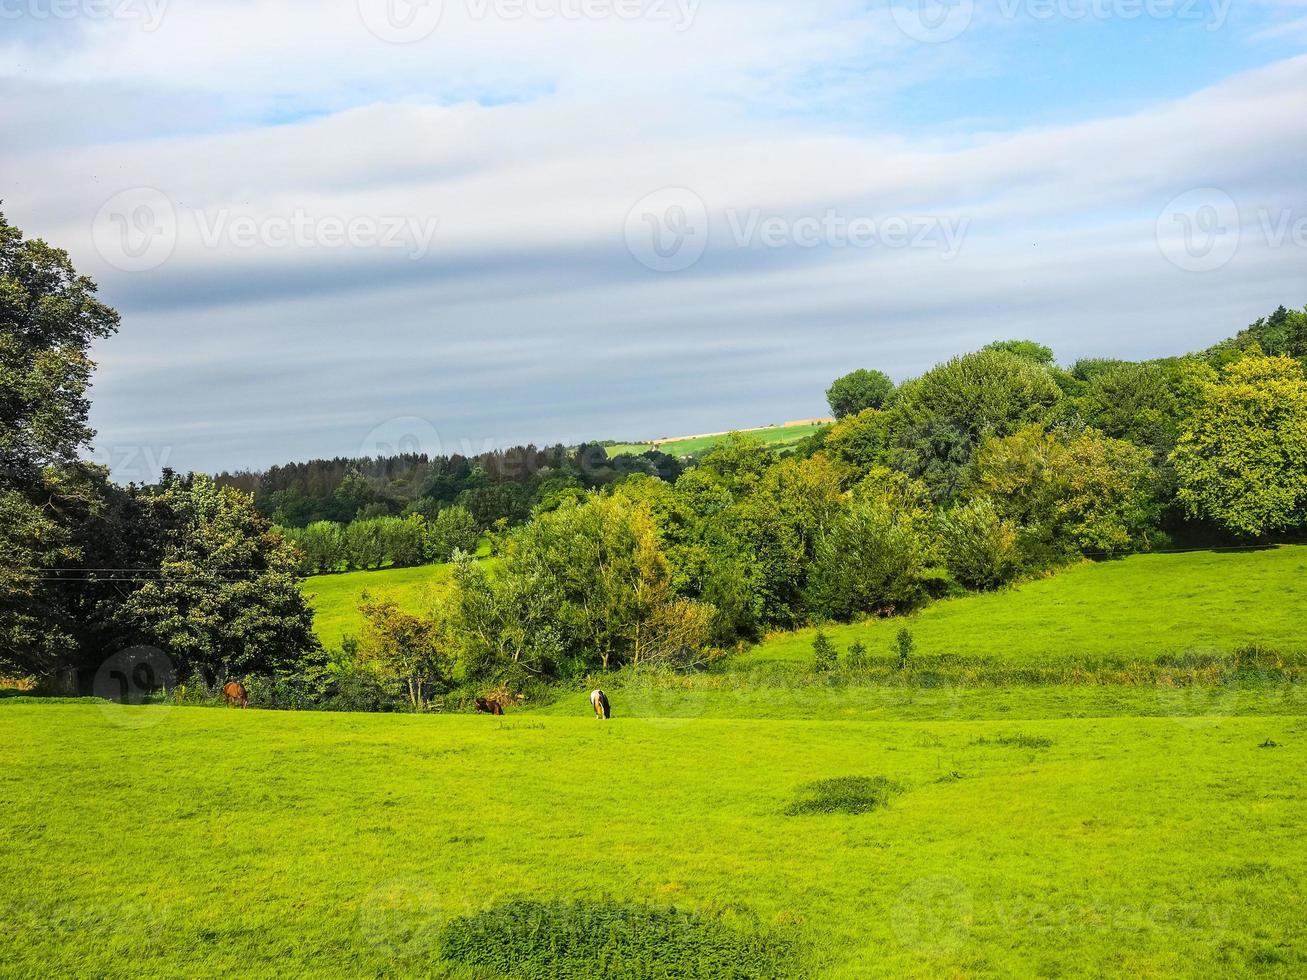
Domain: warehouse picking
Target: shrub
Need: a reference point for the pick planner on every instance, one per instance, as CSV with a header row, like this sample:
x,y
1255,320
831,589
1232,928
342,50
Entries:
x,y
848,794
824,657
530,939
979,548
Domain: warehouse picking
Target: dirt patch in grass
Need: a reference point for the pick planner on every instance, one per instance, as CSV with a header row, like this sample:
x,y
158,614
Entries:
x,y
848,794
528,939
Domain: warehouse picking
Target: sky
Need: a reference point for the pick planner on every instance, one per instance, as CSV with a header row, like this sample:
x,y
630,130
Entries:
x,y
345,227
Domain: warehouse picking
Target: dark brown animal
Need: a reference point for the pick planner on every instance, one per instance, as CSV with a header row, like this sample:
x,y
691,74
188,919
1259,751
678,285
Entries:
x,y
235,693
489,706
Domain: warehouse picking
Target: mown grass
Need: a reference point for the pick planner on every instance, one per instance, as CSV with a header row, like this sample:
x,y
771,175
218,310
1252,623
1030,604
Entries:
x,y
777,436
335,598
1138,608
188,841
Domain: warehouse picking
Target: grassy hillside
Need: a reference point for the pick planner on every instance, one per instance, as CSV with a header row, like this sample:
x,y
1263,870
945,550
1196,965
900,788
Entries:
x,y
335,598
777,436
1140,607
217,842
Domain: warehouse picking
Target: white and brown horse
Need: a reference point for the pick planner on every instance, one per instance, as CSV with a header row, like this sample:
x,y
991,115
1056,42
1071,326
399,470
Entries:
x,y
599,701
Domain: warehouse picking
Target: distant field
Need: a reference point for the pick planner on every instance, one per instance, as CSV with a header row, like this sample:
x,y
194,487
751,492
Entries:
x,y
1137,608
335,598
216,842
777,436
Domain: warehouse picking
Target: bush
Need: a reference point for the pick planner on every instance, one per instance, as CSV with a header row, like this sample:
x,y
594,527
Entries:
x,y
824,657
979,548
584,939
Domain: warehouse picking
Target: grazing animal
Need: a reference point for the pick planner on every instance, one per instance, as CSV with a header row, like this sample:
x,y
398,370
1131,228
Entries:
x,y
235,693
599,701
489,706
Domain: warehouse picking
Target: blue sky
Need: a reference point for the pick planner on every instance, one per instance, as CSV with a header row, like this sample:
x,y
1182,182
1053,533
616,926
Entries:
x,y
325,224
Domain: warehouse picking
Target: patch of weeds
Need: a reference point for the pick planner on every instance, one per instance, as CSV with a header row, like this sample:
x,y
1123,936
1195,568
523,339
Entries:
x,y
951,777
584,939
1270,744
848,794
1251,869
1017,741
520,726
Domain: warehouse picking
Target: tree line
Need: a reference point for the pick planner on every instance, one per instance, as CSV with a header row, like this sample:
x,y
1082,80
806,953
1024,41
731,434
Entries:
x,y
990,467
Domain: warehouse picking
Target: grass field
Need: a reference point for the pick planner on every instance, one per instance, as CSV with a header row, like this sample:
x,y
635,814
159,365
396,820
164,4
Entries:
x,y
335,598
754,820
210,842
1137,608
776,436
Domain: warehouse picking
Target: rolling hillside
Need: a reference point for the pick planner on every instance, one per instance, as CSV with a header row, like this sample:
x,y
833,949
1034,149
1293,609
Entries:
x,y
777,436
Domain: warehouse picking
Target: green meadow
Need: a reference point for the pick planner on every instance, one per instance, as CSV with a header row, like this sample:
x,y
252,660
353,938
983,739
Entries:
x,y
165,841
1137,608
777,437
756,819
335,598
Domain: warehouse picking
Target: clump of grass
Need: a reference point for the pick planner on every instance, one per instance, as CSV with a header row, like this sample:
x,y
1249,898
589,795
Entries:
x,y
1270,743
848,794
1017,741
529,939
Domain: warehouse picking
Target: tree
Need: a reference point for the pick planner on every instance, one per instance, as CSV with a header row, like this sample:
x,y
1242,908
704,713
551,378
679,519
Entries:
x,y
49,317
939,419
858,443
224,601
858,391
1242,459
874,556
979,548
454,529
1029,349
414,649
824,656
1067,493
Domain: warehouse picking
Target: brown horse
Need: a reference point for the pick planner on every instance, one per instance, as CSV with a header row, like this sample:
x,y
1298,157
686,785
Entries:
x,y
235,693
489,706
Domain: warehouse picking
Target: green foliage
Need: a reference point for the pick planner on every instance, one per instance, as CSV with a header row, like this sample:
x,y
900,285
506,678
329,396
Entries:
x,y
903,644
857,656
1067,494
848,794
49,318
824,656
1029,349
417,650
978,547
873,556
938,420
454,529
580,939
1242,459
858,443
858,391
224,602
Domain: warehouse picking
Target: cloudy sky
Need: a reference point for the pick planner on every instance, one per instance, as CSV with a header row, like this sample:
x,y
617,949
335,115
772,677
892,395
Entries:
x,y
337,226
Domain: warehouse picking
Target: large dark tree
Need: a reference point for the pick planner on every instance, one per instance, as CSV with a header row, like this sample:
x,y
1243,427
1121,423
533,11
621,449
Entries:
x,y
49,317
